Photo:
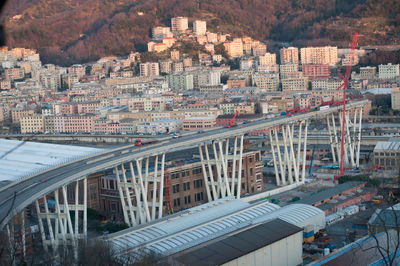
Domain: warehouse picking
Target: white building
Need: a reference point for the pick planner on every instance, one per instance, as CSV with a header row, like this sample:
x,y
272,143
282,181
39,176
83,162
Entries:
x,y
159,33
181,81
160,126
149,69
200,27
179,24
388,71
319,55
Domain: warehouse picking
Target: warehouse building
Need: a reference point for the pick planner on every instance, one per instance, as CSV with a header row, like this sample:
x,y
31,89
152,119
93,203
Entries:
x,y
271,243
218,219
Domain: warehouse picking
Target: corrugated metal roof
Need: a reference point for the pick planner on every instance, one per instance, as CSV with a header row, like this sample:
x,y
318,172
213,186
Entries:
x,y
19,159
326,194
387,145
239,244
215,219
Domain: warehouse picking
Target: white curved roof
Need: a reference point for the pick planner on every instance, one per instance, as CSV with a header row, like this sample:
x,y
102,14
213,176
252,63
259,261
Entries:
x,y
298,214
19,159
206,222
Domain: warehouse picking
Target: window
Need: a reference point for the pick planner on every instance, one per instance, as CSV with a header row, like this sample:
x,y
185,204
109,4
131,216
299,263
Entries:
x,y
250,159
198,183
93,191
251,171
187,199
186,186
177,202
175,188
198,196
242,185
257,157
183,173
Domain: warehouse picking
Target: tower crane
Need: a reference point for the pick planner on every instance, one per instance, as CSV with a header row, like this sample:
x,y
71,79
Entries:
x,y
345,86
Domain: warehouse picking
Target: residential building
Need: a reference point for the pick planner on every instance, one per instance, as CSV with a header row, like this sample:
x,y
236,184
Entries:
x,y
14,73
212,37
289,55
149,69
160,47
389,71
168,41
198,123
234,48
259,50
266,81
246,63
18,112
159,126
368,72
395,95
179,24
128,125
267,59
33,123
206,78
181,81
287,70
199,27
177,67
77,70
319,55
166,66
295,84
159,33
236,83
174,55
316,71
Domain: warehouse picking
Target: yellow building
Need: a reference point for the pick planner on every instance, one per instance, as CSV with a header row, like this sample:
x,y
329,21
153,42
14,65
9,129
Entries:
x,y
234,48
32,123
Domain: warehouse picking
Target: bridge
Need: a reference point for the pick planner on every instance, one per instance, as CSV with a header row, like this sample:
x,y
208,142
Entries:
x,y
131,166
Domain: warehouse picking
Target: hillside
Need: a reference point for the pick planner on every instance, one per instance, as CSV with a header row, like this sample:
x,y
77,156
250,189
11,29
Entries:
x,y
68,31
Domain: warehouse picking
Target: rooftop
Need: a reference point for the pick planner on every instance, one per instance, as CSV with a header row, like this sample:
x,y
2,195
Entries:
x,y
231,247
19,159
326,194
388,145
200,224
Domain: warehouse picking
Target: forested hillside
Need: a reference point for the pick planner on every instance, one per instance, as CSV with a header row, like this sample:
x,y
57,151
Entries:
x,y
67,31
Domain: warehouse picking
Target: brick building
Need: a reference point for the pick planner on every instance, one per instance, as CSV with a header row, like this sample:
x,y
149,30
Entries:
x,y
185,185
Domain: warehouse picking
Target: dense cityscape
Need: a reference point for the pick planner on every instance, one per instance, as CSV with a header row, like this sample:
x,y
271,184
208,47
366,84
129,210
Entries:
x,y
208,149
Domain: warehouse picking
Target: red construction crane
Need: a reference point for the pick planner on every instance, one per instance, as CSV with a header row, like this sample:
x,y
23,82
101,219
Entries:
x,y
232,122
345,85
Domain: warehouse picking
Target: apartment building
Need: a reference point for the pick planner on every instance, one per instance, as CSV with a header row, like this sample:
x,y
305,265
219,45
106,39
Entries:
x,y
287,70
159,126
179,24
18,112
266,81
319,55
199,27
289,55
267,59
33,123
77,70
234,48
149,69
395,95
314,71
14,73
159,33
198,123
389,71
181,81
259,50
295,84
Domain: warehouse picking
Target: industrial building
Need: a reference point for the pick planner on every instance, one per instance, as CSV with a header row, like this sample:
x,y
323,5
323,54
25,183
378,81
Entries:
x,y
217,220
387,154
275,242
